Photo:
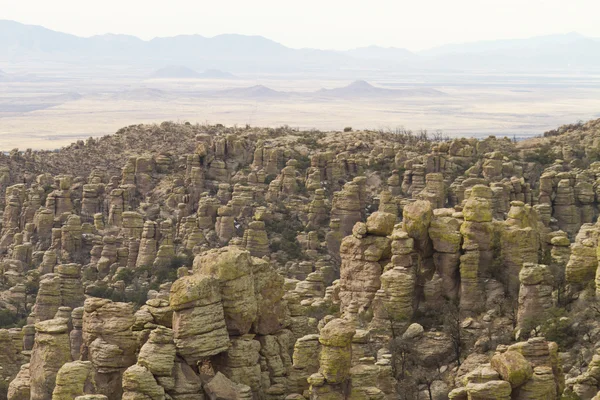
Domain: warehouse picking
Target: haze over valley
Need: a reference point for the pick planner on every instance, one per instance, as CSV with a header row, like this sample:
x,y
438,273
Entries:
x,y
56,87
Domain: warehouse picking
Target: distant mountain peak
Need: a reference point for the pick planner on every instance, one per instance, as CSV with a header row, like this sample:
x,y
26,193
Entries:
x,y
256,91
175,71
261,89
360,84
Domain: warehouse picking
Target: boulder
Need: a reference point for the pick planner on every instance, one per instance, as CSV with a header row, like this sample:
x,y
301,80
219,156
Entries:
x,y
512,367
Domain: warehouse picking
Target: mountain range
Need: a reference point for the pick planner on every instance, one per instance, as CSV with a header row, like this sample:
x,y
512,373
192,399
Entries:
x,y
239,53
355,90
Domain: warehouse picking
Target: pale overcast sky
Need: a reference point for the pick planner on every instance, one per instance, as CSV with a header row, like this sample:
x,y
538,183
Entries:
x,y
324,24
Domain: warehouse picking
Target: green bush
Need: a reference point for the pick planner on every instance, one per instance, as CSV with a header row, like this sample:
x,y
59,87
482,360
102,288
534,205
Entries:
x,y
32,287
168,272
103,292
8,319
126,275
270,178
557,328
138,297
3,389
286,230
542,155
303,162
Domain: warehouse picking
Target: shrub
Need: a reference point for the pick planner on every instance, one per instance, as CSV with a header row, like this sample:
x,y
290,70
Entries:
x,y
103,292
3,389
287,230
303,162
348,129
168,272
126,275
270,178
8,319
557,328
542,155
32,287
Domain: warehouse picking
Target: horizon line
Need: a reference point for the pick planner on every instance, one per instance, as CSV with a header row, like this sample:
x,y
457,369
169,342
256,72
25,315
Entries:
x,y
416,52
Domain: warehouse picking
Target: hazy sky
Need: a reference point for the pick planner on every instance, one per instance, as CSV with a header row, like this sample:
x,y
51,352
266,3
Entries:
x,y
325,24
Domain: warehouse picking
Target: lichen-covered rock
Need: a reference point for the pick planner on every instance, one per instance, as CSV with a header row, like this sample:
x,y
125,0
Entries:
x,y
50,351
434,191
519,241
565,210
363,381
139,383
317,210
535,294
275,355
583,261
478,230
470,291
133,225
255,239
361,268
198,319
305,362
76,334
512,367
158,353
416,220
109,342
225,224
381,223
444,232
272,312
320,389
346,207
233,268
9,357
492,390
477,207
240,364
541,353
148,245
542,385
186,383
221,388
393,304
73,379
71,290
20,387
48,298
336,350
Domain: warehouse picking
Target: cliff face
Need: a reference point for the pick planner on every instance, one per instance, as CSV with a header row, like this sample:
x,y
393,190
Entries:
x,y
189,262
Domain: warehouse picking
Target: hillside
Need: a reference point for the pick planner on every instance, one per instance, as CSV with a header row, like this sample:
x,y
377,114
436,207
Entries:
x,y
205,261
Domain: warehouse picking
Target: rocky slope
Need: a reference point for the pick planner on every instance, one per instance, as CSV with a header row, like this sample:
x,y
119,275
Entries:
x,y
180,261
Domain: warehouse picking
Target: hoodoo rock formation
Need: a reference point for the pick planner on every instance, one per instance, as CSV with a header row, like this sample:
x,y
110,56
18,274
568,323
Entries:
x,y
180,261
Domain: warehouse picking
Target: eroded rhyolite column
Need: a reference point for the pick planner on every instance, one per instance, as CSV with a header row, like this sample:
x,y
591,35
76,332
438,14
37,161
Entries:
x,y
50,351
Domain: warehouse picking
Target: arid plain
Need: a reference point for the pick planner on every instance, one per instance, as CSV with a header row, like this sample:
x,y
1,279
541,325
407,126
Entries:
x,y
49,107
